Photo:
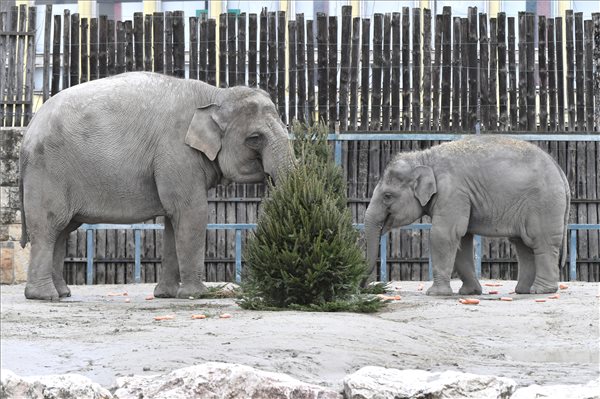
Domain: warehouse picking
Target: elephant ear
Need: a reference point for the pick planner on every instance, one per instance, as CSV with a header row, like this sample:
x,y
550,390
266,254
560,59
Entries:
x,y
205,131
425,185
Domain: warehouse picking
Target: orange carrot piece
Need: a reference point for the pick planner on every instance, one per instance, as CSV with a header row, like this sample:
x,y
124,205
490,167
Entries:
x,y
507,299
127,300
469,301
225,316
150,297
493,292
420,287
198,316
555,296
540,300
492,285
168,317
116,294
563,286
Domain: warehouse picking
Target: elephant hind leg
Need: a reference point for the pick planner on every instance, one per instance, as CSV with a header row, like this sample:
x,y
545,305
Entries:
x,y
40,282
464,265
546,271
168,282
527,268
58,260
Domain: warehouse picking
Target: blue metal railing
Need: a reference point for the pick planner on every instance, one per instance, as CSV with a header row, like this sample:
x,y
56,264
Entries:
x,y
338,139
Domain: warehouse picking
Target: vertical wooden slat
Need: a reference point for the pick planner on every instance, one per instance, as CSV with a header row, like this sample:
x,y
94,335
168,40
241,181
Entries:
x,y
385,101
168,45
375,122
472,63
543,74
158,42
426,69
203,49
502,73
416,70
193,69
464,74
322,65
436,72
446,69
456,73
138,39
579,72
211,74
178,44
128,46
364,79
66,48
530,46
85,56
354,69
272,45
396,50
252,50
551,74
332,70
292,72
241,49
47,30
301,65
405,68
589,84
231,49
56,55
493,103
512,74
3,61
29,68
102,46
148,42
484,73
264,34
281,65
223,50
111,48
570,70
93,49
560,77
345,65
310,71
120,59
20,63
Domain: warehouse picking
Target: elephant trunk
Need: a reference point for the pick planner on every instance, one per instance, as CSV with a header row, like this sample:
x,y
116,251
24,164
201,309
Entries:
x,y
373,230
280,160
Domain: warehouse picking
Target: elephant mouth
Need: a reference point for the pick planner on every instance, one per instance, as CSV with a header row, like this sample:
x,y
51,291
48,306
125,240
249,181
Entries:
x,y
388,224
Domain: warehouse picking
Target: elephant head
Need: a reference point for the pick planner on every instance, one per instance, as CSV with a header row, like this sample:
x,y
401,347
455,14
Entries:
x,y
243,133
399,199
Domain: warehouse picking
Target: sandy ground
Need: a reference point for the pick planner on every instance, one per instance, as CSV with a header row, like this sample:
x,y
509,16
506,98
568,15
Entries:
x,y
102,337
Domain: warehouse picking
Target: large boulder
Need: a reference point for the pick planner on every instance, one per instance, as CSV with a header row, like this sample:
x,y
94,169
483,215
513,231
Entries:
x,y
219,380
589,391
382,383
64,386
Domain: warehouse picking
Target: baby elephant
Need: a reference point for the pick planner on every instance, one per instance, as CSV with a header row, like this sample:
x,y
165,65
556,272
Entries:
x,y
493,186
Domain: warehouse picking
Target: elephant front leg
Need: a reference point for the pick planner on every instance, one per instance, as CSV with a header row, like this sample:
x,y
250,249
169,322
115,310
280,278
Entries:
x,y
168,283
465,267
444,239
190,238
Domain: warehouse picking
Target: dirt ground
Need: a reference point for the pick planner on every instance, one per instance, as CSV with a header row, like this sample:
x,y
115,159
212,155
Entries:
x,y
103,337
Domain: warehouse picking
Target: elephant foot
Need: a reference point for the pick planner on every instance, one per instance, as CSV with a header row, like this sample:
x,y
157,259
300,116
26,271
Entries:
x,y
470,289
440,290
523,289
543,289
45,291
61,287
163,290
187,291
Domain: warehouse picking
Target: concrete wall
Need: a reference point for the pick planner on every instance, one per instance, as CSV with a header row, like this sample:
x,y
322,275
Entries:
x,y
13,258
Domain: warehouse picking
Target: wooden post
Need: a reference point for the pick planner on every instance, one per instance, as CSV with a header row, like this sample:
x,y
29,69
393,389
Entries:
x,y
464,75
543,74
138,38
310,70
66,48
203,52
375,123
446,69
531,106
47,29
322,62
523,71
364,79
178,44
301,65
579,72
484,72
436,72
281,65
570,70
128,46
272,44
3,60
589,83
396,50
241,50
405,68
385,102
158,39
292,72
93,49
111,46
493,107
56,56
252,50
85,56
551,74
345,65
426,69
596,57
211,74
472,63
148,42
193,74
354,69
169,43
223,50
456,73
264,34
27,108
231,49
416,70
332,61
560,76
120,60
102,46
502,72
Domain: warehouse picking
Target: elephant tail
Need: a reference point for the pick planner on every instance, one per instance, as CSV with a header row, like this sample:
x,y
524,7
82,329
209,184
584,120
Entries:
x,y
563,253
24,236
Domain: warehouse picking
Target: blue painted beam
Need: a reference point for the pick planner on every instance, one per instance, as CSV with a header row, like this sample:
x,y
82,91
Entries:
x,y
90,257
383,251
238,256
138,256
477,241
573,256
400,136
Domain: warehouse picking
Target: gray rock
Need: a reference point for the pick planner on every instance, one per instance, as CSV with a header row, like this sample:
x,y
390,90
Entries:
x,y
383,383
219,380
64,386
589,391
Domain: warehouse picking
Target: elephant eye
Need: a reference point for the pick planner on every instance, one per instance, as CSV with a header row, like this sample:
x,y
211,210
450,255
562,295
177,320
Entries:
x,y
254,141
387,197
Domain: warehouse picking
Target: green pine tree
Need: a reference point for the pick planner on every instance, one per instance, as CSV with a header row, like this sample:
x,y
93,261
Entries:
x,y
305,253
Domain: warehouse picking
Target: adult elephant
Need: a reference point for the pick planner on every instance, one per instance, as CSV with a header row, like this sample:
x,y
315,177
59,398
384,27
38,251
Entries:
x,y
487,185
131,147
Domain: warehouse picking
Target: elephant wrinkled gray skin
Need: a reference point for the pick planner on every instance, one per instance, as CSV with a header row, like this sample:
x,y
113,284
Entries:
x,y
134,146
488,185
